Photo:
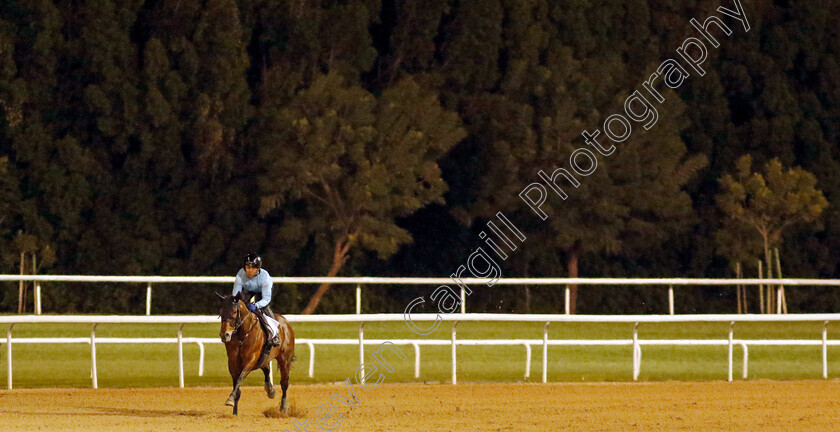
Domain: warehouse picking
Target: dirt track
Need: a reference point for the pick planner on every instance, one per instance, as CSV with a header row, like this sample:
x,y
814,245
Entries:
x,y
709,406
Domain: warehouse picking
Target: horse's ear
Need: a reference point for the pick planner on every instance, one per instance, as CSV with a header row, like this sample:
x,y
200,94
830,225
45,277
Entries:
x,y
237,297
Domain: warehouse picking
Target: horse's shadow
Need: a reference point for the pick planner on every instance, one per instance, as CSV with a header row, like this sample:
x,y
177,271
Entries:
x,y
150,412
111,411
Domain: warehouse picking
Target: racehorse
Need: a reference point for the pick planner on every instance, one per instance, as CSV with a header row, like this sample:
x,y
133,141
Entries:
x,y
244,340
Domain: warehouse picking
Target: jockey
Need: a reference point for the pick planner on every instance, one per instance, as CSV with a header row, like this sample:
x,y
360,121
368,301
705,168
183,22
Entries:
x,y
257,281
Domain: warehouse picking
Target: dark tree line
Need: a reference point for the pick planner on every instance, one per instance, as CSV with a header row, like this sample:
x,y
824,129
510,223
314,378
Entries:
x,y
377,138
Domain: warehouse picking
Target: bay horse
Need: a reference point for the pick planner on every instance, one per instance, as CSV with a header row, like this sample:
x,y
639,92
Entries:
x,y
244,339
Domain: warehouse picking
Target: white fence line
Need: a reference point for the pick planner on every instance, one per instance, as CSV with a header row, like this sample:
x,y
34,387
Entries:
x,y
426,281
359,281
635,342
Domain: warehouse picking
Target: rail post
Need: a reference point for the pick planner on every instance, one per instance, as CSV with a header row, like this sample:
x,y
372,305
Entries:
x,y
200,358
9,357
416,359
149,299
746,359
825,350
181,356
311,359
362,352
567,300
37,298
527,360
778,299
454,358
93,357
636,358
670,299
545,353
729,350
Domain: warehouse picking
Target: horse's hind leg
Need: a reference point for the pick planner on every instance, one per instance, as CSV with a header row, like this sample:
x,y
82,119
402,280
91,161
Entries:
x,y
269,388
284,365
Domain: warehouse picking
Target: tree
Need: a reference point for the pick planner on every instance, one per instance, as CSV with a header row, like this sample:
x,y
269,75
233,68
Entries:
x,y
195,162
768,203
355,162
9,203
52,171
167,102
8,188
528,77
293,43
768,92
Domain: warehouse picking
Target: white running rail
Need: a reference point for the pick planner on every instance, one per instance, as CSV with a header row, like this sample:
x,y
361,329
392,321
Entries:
x,y
359,281
634,341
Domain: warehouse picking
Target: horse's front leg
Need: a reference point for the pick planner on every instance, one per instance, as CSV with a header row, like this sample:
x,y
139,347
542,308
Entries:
x,y
233,399
269,388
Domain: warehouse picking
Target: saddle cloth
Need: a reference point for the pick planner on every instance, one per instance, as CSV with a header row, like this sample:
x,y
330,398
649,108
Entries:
x,y
272,324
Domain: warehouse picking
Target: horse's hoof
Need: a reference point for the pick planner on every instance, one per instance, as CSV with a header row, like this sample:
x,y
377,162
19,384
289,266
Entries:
x,y
270,392
284,405
229,401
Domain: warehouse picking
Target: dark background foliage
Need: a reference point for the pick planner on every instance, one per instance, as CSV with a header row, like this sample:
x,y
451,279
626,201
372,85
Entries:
x,y
142,136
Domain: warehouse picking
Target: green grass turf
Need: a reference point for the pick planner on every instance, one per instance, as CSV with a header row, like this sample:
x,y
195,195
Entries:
x,y
150,365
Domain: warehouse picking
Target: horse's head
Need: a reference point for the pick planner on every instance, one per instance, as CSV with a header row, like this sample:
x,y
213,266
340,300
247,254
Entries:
x,y
233,313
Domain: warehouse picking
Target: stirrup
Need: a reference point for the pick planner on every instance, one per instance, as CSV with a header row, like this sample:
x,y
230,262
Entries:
x,y
273,341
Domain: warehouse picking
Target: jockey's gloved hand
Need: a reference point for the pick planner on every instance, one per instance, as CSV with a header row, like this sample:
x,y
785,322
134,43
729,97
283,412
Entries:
x,y
252,307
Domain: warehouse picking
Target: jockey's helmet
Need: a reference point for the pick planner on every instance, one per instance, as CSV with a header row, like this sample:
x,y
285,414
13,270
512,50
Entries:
x,y
253,260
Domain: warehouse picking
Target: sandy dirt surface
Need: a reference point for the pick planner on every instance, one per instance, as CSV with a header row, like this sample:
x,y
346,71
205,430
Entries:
x,y
669,406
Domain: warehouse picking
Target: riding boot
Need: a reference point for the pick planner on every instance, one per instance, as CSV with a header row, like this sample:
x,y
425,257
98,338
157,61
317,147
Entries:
x,y
274,341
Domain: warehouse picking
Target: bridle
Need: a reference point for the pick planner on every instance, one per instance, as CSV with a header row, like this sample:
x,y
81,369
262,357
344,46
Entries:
x,y
239,321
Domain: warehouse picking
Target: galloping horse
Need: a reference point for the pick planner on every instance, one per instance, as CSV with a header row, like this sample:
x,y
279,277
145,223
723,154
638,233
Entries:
x,y
244,340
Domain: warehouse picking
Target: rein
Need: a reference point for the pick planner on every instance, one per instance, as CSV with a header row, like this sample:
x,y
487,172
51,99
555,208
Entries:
x,y
239,321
